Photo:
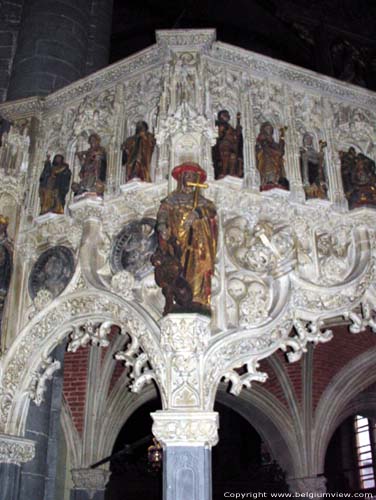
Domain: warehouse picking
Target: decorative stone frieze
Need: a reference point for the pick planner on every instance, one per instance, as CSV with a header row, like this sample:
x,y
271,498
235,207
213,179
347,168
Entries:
x,y
16,450
90,480
186,428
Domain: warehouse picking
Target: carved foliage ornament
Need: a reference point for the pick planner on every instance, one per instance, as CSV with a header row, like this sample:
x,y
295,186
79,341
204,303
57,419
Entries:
x,y
15,450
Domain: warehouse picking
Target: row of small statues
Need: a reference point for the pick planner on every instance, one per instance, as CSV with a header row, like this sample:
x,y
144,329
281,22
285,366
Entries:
x,y
358,171
183,256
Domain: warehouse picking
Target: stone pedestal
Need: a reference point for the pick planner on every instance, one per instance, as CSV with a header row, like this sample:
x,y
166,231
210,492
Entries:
x,y
186,431
14,451
187,438
313,485
89,484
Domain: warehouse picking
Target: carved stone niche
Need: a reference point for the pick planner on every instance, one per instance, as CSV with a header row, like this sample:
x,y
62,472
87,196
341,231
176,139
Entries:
x,y
190,136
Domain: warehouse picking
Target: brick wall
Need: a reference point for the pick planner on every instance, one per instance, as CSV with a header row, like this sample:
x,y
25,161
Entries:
x,y
75,381
328,359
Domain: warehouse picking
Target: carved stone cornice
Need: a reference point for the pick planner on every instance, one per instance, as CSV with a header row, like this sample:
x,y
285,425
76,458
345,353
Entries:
x,y
91,480
186,39
186,428
258,64
87,209
16,450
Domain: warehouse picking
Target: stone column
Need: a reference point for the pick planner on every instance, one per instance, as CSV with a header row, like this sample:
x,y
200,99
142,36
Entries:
x,y
14,451
187,438
38,476
308,485
99,35
52,46
186,430
89,484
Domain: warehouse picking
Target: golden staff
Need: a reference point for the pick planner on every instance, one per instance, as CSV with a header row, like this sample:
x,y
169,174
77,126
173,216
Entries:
x,y
198,186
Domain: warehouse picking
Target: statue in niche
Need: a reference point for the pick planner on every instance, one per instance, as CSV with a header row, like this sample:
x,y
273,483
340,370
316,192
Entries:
x,y
4,128
137,152
358,178
187,241
52,271
133,247
93,163
228,150
6,252
312,168
269,157
54,185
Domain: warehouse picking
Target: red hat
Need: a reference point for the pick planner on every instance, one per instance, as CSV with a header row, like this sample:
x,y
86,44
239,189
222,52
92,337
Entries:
x,y
189,167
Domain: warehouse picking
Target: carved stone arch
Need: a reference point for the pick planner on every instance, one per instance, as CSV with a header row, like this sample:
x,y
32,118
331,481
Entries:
x,y
353,378
272,421
364,404
49,327
121,405
71,436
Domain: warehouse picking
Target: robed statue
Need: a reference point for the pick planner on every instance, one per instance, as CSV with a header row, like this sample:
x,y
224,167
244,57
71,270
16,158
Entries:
x,y
54,185
6,252
358,178
269,158
187,242
93,163
312,168
137,152
228,150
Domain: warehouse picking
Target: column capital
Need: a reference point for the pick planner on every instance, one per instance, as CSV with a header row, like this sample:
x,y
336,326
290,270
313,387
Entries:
x,y
185,332
90,480
313,484
16,450
194,428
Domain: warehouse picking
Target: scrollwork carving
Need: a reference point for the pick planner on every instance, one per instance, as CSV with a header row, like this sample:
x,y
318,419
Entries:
x,y
39,380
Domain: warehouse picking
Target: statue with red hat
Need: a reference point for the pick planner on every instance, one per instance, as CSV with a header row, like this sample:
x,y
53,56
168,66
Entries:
x,y
187,243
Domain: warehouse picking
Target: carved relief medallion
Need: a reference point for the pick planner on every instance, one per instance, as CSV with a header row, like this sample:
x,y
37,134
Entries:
x,y
52,271
133,247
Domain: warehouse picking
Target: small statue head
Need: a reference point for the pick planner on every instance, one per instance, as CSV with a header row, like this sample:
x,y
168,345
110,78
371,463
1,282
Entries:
x,y
141,126
307,140
188,172
224,116
266,129
58,160
94,140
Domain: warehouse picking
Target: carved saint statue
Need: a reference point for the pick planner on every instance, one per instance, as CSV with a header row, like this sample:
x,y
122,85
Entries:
x,y
228,151
93,168
312,168
269,157
6,251
54,185
358,178
137,152
187,243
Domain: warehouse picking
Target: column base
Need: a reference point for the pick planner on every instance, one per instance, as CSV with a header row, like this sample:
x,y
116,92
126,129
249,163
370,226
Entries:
x,y
314,484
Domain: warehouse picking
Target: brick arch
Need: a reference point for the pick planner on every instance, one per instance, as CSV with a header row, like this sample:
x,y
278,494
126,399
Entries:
x,y
272,421
335,402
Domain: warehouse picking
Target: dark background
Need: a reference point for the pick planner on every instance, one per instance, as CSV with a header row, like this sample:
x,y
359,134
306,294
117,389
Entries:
x,y
334,37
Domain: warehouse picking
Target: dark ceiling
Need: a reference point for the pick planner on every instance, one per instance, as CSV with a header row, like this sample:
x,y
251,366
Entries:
x,y
334,37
